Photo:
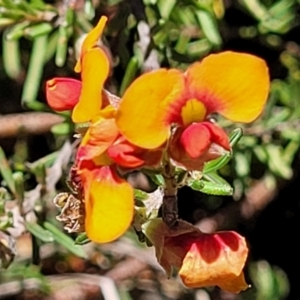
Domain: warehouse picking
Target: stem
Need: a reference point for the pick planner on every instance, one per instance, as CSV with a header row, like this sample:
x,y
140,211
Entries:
x,y
35,256
169,206
40,175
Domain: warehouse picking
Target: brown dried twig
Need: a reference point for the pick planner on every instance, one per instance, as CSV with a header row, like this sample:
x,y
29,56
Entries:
x,y
27,123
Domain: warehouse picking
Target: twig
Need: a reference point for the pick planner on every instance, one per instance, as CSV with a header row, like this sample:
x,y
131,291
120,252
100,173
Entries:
x,y
27,122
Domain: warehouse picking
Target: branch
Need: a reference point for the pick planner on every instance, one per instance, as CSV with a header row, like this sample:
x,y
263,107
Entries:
x,y
28,123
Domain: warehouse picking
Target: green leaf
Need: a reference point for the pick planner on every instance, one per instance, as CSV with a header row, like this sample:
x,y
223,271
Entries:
x,y
52,45
214,178
35,70
82,239
209,27
140,195
211,188
260,153
39,232
41,29
62,46
218,163
89,9
276,162
61,129
17,31
47,160
198,48
64,240
242,164
11,57
258,10
130,74
19,186
6,171
165,7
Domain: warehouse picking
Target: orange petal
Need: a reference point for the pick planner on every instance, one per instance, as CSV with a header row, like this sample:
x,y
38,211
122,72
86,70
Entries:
x,y
144,107
99,137
102,134
125,155
236,85
216,259
108,204
95,70
91,40
62,93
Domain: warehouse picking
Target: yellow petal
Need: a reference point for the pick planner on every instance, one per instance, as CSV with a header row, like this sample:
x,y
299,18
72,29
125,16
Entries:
x,y
108,204
236,85
193,111
91,40
95,70
142,115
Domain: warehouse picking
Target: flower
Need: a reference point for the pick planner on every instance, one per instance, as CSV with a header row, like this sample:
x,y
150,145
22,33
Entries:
x,y
86,98
109,200
202,259
168,103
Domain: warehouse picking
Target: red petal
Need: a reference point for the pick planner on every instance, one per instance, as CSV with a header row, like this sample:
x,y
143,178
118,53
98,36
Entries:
x,y
197,144
195,140
125,155
63,93
217,135
216,259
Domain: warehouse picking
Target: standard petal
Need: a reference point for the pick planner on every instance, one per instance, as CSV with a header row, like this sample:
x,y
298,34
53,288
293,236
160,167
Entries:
x,y
95,70
63,93
143,113
216,259
108,204
236,85
91,41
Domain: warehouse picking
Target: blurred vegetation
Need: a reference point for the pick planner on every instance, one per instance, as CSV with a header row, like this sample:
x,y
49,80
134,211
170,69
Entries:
x,y
40,40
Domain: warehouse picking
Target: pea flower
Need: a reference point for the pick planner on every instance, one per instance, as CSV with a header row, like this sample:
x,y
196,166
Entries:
x,y
85,97
108,198
167,103
202,259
